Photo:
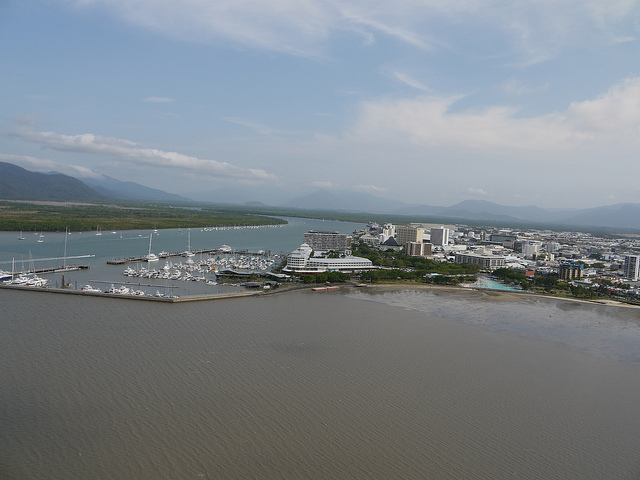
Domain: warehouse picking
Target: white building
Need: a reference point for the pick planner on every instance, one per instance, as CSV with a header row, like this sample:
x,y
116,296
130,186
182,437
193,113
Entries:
x,y
301,261
530,248
632,267
439,236
298,258
486,261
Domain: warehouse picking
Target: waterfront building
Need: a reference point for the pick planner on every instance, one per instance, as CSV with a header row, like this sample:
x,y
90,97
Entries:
x,y
439,236
408,233
570,270
301,261
298,258
325,241
632,267
488,262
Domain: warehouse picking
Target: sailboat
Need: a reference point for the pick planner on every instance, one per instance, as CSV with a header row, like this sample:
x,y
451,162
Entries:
x,y
21,237
64,267
151,257
40,238
188,252
98,230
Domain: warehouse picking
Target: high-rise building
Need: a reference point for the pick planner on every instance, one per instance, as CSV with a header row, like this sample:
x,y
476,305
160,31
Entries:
x,y
439,236
570,270
632,267
324,241
405,234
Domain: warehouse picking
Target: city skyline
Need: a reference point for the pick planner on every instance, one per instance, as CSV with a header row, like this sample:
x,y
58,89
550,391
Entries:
x,y
426,102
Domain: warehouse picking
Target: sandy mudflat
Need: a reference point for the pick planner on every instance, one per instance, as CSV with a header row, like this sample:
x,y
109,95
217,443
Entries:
x,y
496,295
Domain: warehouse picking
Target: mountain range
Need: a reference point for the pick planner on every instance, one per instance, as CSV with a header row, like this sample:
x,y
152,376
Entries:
x,y
16,183
131,190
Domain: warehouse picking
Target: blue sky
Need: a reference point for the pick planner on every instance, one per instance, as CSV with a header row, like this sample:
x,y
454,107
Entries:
x,y
424,101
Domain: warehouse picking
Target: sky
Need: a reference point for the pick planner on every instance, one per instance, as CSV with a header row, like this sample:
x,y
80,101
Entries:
x,y
423,101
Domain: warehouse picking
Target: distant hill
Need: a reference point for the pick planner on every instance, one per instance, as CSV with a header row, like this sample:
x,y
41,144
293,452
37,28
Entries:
x,y
624,216
131,190
242,195
341,200
16,183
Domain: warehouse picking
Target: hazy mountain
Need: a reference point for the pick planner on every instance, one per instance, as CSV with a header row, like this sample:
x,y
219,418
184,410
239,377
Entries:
x,y
16,183
620,216
131,190
345,201
242,195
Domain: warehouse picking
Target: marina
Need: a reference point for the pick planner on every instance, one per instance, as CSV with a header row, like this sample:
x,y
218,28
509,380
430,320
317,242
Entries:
x,y
194,262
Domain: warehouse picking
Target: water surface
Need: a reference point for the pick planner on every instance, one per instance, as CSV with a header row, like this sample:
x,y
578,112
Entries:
x,y
306,385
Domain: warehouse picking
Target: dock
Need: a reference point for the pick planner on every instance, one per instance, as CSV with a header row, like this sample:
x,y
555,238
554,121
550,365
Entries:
x,y
62,269
123,261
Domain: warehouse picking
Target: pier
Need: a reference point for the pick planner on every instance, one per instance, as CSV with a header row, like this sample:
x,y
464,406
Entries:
x,y
190,298
68,268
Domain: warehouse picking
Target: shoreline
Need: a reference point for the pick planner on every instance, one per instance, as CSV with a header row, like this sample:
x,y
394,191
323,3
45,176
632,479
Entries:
x,y
295,288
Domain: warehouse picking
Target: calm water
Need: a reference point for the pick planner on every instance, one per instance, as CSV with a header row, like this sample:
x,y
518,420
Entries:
x,y
364,384
309,385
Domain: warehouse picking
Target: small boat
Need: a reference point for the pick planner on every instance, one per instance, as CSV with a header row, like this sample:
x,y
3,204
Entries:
x,y
89,288
21,237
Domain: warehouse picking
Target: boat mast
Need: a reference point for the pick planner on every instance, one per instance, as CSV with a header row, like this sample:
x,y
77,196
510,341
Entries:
x,y
66,234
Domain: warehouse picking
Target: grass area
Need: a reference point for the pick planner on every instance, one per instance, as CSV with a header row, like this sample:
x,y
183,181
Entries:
x,y
47,217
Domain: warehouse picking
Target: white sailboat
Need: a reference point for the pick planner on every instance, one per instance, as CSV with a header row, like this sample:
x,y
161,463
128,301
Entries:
x,y
151,257
21,237
188,252
98,230
64,267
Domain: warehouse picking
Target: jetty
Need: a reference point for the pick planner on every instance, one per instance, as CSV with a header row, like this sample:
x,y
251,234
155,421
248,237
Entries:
x,y
189,298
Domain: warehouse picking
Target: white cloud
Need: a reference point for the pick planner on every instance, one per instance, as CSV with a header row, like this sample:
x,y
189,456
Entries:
x,y
477,191
412,82
158,100
535,31
325,185
429,120
134,153
36,164
374,189
261,129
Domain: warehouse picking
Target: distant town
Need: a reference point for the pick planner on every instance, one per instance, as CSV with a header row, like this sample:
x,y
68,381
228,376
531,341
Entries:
x,y
561,263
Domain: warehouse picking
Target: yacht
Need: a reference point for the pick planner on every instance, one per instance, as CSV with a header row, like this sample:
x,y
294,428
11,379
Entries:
x,y
151,257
